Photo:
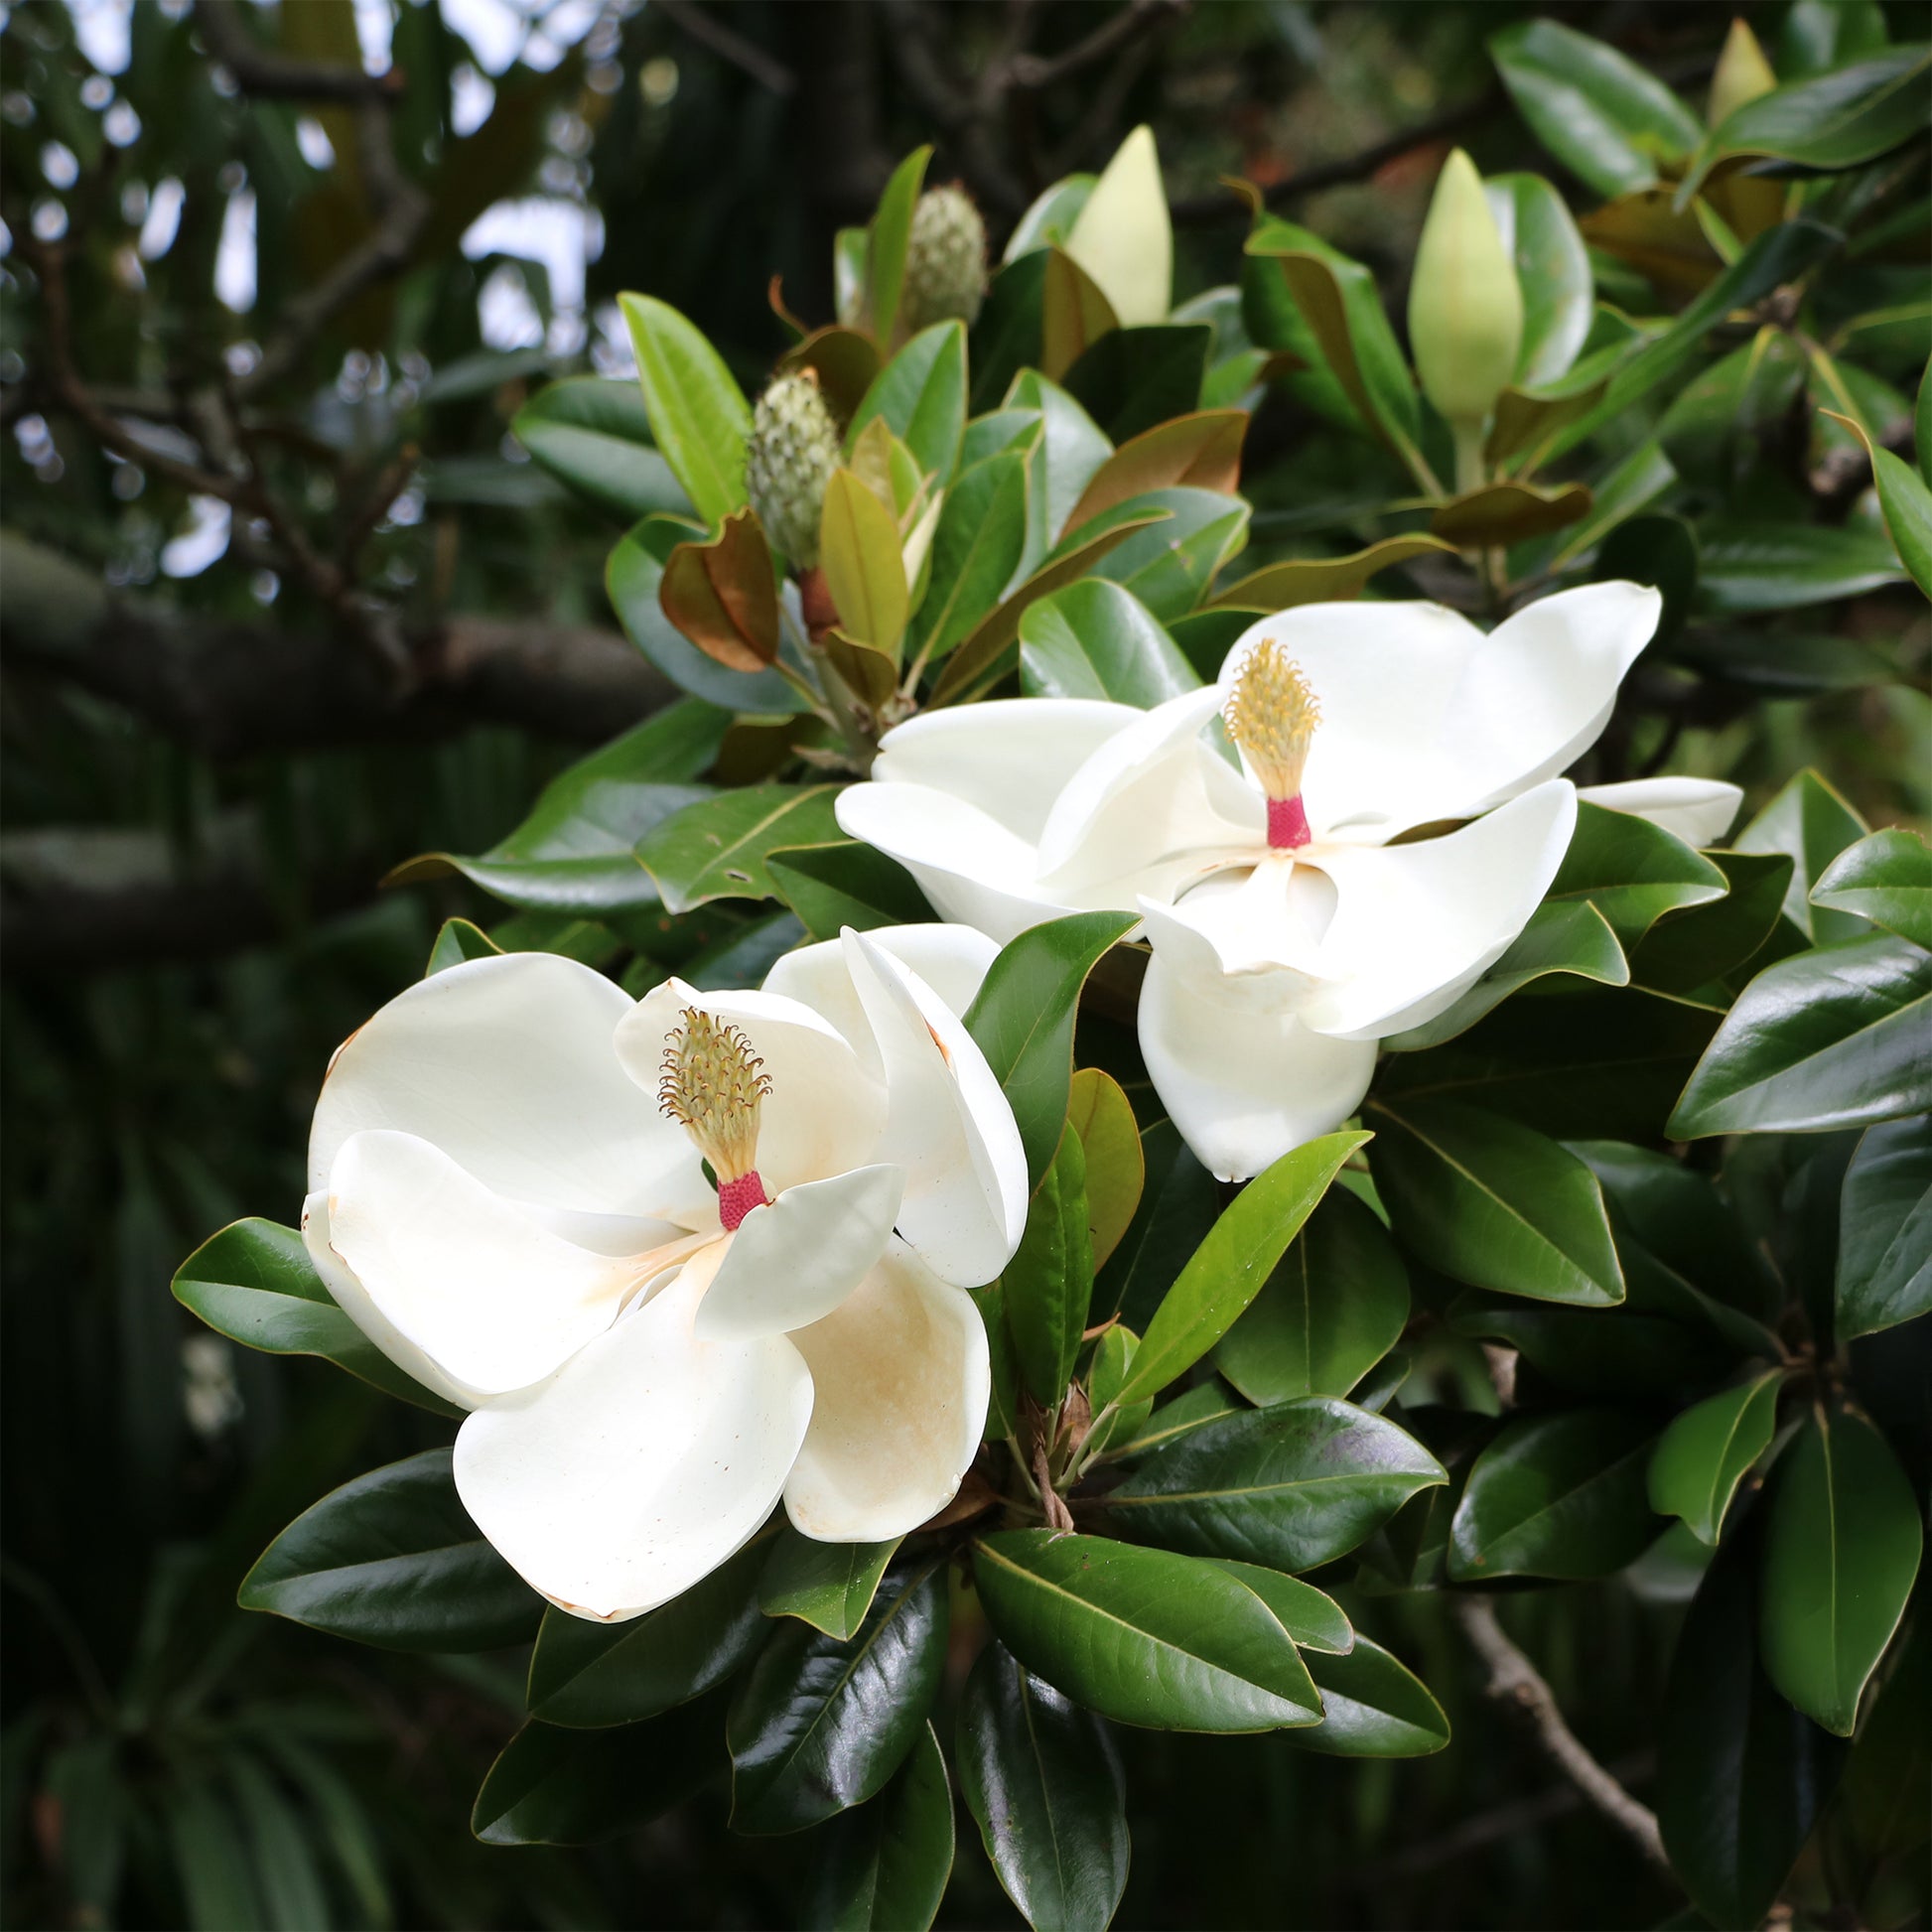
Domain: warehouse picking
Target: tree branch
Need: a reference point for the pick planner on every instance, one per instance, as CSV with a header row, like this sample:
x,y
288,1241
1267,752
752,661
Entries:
x,y
270,75
728,44
1513,1682
1033,72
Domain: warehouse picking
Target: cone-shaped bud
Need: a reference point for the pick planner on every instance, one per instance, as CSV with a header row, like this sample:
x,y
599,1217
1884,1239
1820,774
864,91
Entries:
x,y
789,458
945,260
1466,307
1743,75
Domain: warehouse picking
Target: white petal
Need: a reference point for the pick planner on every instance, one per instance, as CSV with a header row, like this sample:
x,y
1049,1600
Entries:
x,y
792,1263
824,1111
1417,924
353,1301
1265,917
902,1384
506,1064
495,1300
1700,811
643,1463
949,1125
1124,236
1244,1080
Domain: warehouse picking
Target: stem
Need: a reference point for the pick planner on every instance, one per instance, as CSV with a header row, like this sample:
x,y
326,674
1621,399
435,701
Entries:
x,y
1469,467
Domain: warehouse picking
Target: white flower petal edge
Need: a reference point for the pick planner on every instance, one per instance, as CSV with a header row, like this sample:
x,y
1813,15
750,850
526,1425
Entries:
x,y
1700,811
644,1463
902,1382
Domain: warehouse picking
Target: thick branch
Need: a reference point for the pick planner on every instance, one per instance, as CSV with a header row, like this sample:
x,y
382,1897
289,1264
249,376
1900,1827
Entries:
x,y
1513,1682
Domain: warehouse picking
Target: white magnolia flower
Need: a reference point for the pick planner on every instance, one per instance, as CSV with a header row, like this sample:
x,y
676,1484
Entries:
x,y
507,1197
1291,931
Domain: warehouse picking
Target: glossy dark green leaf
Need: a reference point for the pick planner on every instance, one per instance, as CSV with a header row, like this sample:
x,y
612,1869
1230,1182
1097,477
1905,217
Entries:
x,y
1840,1552
1553,270
1331,1308
1007,335
594,435
1043,1783
1702,1457
1134,378
1142,1636
1632,872
698,415
1169,564
1289,1487
884,1867
921,396
1885,877
846,883
1310,1617
1812,824
1747,566
1887,1791
976,550
1022,1021
585,1673
1227,1271
1561,1496
1884,1238
821,1722
1692,948
1782,662
1063,460
574,1787
1095,639
392,1559
1048,1282
1819,34
1206,1402
255,1284
887,241
1833,1038
717,847
458,941
576,849
1373,1705
1492,1202
1647,1352
830,1585
1178,1208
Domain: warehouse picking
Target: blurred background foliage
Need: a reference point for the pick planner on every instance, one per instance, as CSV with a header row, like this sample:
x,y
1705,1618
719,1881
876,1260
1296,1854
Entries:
x,y
234,700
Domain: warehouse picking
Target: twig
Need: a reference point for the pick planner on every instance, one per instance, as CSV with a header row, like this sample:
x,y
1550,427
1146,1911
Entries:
x,y
728,44
270,75
1514,1683
1033,72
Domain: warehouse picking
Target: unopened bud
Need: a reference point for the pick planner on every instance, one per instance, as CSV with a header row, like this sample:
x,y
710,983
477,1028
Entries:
x,y
1743,75
791,456
1465,306
945,260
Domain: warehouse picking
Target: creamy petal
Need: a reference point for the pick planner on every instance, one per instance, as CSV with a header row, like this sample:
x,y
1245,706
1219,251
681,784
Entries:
x,y
902,1384
1700,811
1268,916
643,1463
792,1263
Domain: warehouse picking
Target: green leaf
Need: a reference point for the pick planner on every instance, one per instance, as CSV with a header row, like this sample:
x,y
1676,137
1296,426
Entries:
x,y
829,1586
1906,502
1067,456
1102,1114
585,1675
1493,1202
885,1866
1095,639
1132,380
1227,1271
210,1854
255,1284
1333,1307
1819,34
1885,877
1688,949
1043,1783
1372,1707
1632,872
1563,937
1142,1636
574,1787
1048,1282
1841,1550
1178,1208
976,550
1023,1021
921,395
1884,1238
1509,512
1289,1487
821,1722
1740,1775
392,1559
594,435
457,942
846,883
1169,564
1323,580
717,847
1747,566
1553,270
698,414
886,246
1889,1777
1600,114
859,549
1812,824
1833,1038
576,849
1312,1617
1702,1457
1562,1495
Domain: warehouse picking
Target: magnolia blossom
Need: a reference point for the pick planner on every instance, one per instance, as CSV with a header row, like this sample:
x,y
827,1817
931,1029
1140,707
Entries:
x,y
508,1195
1326,846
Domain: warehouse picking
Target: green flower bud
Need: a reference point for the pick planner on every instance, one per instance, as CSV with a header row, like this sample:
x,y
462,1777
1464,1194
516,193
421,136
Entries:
x,y
1465,306
945,260
789,458
1743,75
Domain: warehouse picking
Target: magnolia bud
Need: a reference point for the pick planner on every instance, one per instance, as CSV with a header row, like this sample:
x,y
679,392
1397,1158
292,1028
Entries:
x,y
789,458
945,260
1466,307
1743,75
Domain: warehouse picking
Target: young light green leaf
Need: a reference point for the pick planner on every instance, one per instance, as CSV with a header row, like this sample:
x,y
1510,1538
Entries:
x,y
698,413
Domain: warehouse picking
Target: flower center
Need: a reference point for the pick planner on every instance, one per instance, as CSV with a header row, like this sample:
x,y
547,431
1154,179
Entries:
x,y
711,1083
1272,714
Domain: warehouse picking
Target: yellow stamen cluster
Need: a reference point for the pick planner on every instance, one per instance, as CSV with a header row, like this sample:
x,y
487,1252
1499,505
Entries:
x,y
1272,714
711,1085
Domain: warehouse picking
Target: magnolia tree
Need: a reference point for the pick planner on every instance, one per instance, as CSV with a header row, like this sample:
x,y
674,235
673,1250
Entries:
x,y
1153,1104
